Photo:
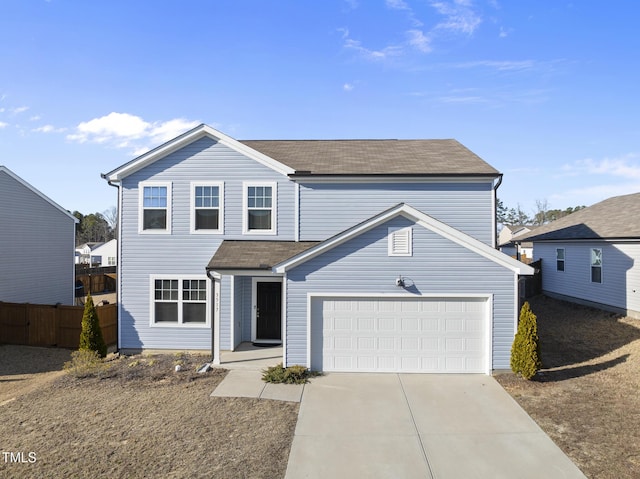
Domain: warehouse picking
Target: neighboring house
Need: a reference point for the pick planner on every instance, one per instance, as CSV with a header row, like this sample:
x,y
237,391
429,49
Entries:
x,y
592,256
31,222
356,255
84,253
507,243
106,254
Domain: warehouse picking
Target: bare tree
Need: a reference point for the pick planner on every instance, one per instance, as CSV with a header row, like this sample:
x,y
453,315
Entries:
x,y
111,215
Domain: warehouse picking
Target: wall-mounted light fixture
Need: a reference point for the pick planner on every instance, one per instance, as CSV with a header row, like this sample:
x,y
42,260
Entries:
x,y
400,282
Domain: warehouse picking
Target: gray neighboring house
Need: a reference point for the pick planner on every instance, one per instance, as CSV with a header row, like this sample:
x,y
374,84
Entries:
x,y
593,256
355,255
507,243
37,239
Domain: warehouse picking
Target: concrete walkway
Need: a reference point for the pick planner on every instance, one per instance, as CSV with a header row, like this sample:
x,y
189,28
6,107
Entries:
x,y
419,426
247,382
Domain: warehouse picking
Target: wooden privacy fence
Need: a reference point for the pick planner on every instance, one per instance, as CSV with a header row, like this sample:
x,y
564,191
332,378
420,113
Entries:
x,y
44,325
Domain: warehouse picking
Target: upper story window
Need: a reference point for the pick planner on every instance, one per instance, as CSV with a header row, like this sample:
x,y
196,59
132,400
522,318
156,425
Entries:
x,y
207,207
400,241
596,265
260,208
155,207
559,259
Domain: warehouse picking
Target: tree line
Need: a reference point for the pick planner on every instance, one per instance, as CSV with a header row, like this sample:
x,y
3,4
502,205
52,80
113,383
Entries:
x,y
543,214
96,227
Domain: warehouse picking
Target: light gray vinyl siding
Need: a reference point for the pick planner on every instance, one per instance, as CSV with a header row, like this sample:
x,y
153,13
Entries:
x,y
37,243
182,253
438,266
328,209
620,285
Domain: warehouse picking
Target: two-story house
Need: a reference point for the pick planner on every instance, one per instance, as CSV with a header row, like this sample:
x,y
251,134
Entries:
x,y
356,255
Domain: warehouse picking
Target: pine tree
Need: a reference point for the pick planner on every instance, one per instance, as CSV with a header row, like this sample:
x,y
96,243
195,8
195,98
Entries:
x,y
91,336
525,351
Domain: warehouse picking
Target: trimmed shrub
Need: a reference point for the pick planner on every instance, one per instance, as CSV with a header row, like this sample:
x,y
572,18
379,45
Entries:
x,y
525,350
290,375
91,336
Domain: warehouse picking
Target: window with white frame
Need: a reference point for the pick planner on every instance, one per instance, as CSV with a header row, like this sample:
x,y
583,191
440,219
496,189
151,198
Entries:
x,y
179,301
207,207
400,241
596,265
260,208
111,261
559,259
155,207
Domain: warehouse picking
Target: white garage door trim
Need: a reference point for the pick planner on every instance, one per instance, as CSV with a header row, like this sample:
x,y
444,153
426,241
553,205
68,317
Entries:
x,y
488,323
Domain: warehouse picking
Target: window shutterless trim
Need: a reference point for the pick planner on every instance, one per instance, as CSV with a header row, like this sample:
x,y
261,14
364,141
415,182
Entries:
x,y
220,208
180,301
245,207
141,208
560,260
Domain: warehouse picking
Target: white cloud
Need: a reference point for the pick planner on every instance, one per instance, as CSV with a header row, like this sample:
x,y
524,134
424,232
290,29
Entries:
x,y
123,130
593,194
460,16
418,40
3,124
48,129
385,53
348,87
20,109
627,166
397,4
35,118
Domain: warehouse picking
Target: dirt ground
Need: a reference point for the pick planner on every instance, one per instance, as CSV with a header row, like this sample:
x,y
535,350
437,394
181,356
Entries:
x,y
587,396
140,418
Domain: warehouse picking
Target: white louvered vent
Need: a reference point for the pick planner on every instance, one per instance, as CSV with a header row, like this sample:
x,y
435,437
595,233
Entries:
x,y
400,241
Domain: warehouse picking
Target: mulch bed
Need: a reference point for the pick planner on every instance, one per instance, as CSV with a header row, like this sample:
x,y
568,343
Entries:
x,y
141,418
587,396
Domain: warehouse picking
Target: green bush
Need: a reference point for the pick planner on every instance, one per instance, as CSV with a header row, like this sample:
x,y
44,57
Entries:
x,y
85,363
525,351
91,336
290,375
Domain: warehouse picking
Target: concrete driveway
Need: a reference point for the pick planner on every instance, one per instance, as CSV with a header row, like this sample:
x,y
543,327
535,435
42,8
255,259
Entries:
x,y
418,426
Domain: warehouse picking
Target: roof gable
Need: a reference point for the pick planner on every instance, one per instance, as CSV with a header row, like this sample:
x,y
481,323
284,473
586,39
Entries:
x,y
11,174
420,218
613,218
187,138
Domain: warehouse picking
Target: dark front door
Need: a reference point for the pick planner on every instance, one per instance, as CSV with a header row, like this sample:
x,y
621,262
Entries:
x,y
269,310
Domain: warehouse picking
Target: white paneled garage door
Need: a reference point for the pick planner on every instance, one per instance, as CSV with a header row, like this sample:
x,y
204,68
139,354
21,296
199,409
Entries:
x,y
433,335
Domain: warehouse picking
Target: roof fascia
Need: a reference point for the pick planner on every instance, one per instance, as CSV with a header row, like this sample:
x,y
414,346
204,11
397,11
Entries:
x,y
368,178
422,219
37,192
632,239
187,138
243,272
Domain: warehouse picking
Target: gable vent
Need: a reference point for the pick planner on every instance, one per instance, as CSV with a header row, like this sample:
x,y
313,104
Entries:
x,y
400,241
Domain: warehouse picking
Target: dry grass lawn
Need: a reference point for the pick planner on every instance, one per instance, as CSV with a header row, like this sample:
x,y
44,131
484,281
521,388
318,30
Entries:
x,y
140,419
587,396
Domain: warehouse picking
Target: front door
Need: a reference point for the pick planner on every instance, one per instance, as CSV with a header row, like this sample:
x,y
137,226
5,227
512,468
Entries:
x,y
268,311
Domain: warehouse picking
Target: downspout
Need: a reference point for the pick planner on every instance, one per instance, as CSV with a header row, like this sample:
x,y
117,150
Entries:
x,y
495,211
119,257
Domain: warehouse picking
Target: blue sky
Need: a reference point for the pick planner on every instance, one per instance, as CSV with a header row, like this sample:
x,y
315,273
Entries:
x,y
544,90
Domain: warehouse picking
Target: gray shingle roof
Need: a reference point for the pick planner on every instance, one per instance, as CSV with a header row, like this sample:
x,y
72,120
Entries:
x,y
617,217
240,254
374,157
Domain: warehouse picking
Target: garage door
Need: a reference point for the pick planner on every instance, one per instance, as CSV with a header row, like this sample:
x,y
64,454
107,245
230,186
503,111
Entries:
x,y
435,335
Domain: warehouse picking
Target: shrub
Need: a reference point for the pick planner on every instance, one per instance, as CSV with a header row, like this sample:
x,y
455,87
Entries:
x,y
91,336
525,351
291,375
85,363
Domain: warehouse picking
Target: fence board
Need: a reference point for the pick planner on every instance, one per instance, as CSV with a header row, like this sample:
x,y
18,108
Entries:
x,y
44,325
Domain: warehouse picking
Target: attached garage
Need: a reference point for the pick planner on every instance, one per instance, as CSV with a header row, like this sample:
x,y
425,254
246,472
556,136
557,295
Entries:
x,y
400,334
